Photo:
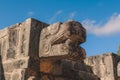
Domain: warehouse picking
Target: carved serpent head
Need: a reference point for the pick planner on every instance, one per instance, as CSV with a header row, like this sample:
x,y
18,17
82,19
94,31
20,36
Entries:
x,y
74,31
63,39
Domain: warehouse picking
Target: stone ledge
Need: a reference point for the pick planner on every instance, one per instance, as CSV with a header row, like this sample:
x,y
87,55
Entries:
x,y
9,66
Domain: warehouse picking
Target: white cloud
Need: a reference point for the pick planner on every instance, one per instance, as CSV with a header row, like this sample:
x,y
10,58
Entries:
x,y
72,15
112,26
30,14
55,16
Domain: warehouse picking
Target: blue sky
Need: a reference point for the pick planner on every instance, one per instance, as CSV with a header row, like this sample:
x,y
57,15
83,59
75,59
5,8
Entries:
x,y
101,18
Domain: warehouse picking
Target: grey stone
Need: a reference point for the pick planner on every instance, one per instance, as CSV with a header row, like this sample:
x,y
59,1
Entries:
x,y
7,76
118,69
63,39
15,76
82,67
11,53
0,48
9,66
34,50
105,66
18,74
87,76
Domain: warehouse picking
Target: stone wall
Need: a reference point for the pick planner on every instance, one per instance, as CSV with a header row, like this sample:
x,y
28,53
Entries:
x,y
117,61
19,45
65,70
22,58
105,66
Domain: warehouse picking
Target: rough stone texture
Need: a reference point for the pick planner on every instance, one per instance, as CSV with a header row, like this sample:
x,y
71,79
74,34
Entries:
x,y
59,41
19,48
118,69
105,66
65,70
18,74
33,50
63,39
2,77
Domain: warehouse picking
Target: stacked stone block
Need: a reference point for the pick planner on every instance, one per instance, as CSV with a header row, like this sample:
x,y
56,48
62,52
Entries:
x,y
19,45
105,66
21,56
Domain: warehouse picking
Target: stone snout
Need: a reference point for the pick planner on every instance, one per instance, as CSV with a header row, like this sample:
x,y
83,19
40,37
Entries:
x,y
35,50
63,39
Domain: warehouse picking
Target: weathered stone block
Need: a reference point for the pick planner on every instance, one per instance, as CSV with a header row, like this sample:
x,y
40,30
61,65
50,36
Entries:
x,y
3,43
88,76
105,66
18,74
10,65
7,76
33,50
19,45
51,66
63,39
35,31
118,67
65,70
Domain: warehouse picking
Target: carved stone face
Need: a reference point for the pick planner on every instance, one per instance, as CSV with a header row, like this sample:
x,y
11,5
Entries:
x,y
74,31
63,39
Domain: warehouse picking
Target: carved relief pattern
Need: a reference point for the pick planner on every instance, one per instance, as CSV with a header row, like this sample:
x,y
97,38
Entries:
x,y
63,39
3,46
0,48
23,42
46,41
13,42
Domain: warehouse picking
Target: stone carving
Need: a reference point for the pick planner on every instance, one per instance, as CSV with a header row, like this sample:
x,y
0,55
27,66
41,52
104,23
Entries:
x,y
105,66
0,48
34,50
3,42
13,41
63,39
23,42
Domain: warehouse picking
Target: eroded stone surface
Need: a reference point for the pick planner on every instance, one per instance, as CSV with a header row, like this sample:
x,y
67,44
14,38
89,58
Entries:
x,y
63,39
54,54
105,66
65,70
19,47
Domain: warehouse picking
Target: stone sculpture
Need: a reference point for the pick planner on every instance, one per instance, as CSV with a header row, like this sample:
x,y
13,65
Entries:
x,y
34,50
63,40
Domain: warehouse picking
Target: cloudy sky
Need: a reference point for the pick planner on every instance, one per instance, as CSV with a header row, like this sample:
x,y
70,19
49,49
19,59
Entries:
x,y
101,18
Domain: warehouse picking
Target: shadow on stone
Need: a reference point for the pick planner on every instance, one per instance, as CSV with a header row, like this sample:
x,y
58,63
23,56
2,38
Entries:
x,y
33,70
2,77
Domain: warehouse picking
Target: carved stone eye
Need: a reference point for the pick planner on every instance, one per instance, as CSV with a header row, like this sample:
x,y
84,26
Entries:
x,y
73,24
72,30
